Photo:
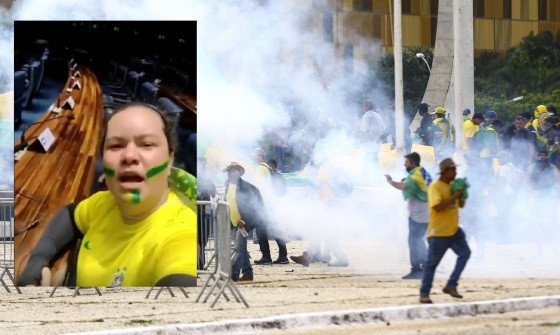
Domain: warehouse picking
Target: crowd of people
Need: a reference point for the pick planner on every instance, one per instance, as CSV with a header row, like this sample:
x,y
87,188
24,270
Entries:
x,y
527,155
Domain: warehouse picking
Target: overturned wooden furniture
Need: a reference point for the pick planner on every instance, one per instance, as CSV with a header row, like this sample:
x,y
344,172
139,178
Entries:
x,y
46,181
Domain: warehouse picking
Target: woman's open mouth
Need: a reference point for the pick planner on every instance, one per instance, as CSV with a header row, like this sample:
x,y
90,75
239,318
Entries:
x,y
130,180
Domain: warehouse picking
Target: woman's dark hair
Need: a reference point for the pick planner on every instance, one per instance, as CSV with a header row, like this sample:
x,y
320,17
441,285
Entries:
x,y
168,127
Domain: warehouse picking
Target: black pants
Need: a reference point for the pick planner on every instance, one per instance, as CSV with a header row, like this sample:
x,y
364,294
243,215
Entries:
x,y
262,236
204,229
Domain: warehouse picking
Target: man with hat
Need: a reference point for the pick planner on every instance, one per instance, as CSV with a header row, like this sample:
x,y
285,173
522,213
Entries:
x,y
442,134
491,115
444,231
466,114
246,212
470,127
541,139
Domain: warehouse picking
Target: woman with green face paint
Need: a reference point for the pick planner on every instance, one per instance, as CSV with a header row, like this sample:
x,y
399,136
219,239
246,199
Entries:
x,y
142,231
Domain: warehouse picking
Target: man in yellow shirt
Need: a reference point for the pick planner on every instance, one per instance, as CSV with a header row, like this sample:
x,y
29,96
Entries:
x,y
246,212
444,231
466,114
442,134
470,127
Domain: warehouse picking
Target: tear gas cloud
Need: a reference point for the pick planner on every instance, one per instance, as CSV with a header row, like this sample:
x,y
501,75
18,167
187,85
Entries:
x,y
263,65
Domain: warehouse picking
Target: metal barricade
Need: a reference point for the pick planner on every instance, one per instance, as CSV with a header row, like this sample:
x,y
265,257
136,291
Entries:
x,y
206,234
7,240
219,251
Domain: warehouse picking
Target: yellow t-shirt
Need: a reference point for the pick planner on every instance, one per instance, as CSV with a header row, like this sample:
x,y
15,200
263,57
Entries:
x,y
445,222
469,129
262,172
234,214
263,181
117,254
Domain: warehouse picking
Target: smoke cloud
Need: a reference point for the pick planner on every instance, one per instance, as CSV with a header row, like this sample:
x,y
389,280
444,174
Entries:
x,y
265,65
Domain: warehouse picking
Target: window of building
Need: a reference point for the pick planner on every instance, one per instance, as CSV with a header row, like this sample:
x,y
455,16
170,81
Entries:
x,y
328,26
406,7
362,5
507,9
478,8
542,10
348,59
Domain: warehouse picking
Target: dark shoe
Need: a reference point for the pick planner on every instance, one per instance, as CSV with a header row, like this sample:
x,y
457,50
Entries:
x,y
246,278
452,291
338,263
425,299
303,260
281,260
413,275
234,278
263,261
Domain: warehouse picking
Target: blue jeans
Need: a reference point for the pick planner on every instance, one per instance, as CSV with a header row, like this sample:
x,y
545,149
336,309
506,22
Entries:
x,y
437,248
416,244
240,261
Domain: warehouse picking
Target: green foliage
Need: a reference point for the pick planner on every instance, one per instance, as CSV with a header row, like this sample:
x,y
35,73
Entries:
x,y
531,70
508,110
381,76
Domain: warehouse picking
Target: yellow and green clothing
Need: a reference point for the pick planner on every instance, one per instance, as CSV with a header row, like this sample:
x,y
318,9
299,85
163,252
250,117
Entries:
x,y
443,133
541,140
114,253
445,222
184,185
416,184
234,214
469,129
263,172
486,139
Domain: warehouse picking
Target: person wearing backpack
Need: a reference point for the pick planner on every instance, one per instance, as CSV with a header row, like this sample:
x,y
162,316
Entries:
x,y
425,124
442,134
485,143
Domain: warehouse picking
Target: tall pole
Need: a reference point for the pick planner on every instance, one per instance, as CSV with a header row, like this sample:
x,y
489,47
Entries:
x,y
463,67
399,104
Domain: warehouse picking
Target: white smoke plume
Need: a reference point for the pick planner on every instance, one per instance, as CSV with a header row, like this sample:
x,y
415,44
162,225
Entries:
x,y
257,60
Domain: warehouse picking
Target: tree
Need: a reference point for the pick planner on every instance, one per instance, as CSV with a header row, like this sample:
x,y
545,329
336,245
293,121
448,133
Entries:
x,y
415,77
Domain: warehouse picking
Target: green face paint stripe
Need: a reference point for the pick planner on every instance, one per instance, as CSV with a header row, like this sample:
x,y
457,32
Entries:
x,y
108,171
156,170
135,196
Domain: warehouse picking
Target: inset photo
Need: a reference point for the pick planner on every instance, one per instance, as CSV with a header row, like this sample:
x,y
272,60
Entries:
x,y
105,153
